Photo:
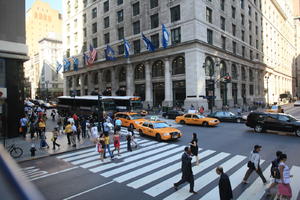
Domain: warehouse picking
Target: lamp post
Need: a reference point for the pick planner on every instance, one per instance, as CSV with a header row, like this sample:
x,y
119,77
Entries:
x,y
99,107
267,79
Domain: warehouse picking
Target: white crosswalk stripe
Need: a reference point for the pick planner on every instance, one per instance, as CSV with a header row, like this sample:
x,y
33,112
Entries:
x,y
32,172
154,167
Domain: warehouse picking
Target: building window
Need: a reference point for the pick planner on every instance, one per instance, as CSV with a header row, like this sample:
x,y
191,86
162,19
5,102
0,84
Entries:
x,y
121,33
119,2
122,74
223,39
251,90
250,40
84,3
234,72
178,65
233,29
251,55
68,40
208,15
243,35
209,36
242,2
244,74
120,16
94,28
249,10
233,10
136,27
158,69
95,78
107,76
84,18
137,46
222,20
68,53
256,16
222,4
94,13
95,42
176,35
75,23
175,13
155,40
251,77
136,9
106,6
154,21
234,47
209,66
256,30
106,22
139,72
250,25
84,33
153,3
257,56
223,69
121,49
84,47
256,44
243,51
242,19
106,38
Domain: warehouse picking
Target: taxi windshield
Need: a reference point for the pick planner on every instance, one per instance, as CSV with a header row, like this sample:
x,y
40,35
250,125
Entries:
x,y
200,116
136,116
160,125
274,107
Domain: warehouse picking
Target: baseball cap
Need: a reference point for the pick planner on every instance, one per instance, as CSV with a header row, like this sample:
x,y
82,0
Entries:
x,y
257,146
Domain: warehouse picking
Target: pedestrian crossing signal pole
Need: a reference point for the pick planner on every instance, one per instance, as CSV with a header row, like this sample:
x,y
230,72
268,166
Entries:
x,y
99,107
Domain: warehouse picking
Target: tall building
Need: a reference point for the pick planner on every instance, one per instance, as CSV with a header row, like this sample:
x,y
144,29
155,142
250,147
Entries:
x,y
41,20
297,40
13,52
209,42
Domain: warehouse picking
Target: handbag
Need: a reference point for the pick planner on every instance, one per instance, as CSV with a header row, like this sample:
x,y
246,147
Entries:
x,y
250,165
20,129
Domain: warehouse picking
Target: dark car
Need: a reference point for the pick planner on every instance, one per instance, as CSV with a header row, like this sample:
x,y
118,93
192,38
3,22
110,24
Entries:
x,y
225,116
261,122
172,114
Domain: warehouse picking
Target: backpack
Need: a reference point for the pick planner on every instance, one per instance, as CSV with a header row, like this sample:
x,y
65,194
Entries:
x,y
275,173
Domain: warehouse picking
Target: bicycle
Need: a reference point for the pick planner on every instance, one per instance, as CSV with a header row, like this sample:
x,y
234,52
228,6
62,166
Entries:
x,y
14,151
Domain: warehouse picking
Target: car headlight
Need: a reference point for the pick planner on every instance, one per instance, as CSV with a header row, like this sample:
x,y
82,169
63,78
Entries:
x,y
212,121
166,134
137,122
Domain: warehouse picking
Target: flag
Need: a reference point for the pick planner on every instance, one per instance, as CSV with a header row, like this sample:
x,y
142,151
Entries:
x,y
58,67
67,65
148,43
93,54
165,36
86,59
126,48
109,53
75,63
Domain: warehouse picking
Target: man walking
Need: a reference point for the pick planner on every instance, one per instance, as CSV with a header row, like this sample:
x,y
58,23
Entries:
x,y
253,165
275,173
225,190
186,169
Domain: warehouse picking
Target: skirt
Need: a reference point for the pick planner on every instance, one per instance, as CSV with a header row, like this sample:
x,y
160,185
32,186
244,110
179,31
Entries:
x,y
285,190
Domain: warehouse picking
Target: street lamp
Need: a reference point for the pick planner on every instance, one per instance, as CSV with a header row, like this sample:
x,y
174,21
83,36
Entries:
x,y
267,79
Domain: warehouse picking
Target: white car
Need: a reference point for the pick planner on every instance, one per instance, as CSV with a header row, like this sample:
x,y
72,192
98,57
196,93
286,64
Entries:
x,y
297,103
29,104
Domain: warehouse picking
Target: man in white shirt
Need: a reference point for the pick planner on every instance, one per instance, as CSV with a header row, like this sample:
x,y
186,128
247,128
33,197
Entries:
x,y
73,136
71,120
94,133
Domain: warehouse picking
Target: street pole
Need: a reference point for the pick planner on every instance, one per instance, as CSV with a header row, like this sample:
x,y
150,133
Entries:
x,y
99,106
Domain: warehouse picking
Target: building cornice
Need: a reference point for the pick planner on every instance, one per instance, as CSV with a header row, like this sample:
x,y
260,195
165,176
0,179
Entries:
x,y
278,7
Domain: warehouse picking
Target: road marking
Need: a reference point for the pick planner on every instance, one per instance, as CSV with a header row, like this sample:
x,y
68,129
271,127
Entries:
x,y
167,184
54,173
295,182
161,173
89,190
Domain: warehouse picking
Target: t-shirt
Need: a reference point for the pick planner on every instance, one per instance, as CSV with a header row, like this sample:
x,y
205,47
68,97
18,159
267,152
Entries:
x,y
74,129
68,128
71,120
118,122
106,139
94,131
23,121
42,124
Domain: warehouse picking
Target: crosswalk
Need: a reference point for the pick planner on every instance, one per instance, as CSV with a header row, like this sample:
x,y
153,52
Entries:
x,y
33,172
155,166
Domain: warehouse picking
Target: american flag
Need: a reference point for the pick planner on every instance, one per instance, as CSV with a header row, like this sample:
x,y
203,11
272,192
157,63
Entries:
x,y
93,54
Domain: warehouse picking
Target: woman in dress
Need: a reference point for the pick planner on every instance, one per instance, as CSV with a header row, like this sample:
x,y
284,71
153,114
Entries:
x,y
116,139
194,147
284,188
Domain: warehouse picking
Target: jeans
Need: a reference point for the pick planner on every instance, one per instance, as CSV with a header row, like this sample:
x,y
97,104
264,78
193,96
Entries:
x,y
106,146
249,172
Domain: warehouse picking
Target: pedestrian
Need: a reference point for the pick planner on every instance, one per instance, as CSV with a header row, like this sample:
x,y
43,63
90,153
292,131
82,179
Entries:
x,y
100,146
54,137
254,165
73,135
284,188
42,127
225,190
59,123
194,147
23,126
186,169
78,131
32,129
43,142
68,131
94,133
106,127
106,146
53,114
201,110
116,140
118,124
275,173
128,138
83,127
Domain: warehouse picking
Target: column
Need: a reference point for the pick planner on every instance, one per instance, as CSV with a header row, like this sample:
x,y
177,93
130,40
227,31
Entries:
x,y
66,85
81,84
149,90
73,83
229,86
101,87
129,80
114,81
239,84
218,99
90,83
168,85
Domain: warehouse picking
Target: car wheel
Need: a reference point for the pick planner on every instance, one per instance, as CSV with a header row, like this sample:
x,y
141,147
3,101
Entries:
x,y
205,124
158,138
141,132
182,122
258,128
297,132
238,120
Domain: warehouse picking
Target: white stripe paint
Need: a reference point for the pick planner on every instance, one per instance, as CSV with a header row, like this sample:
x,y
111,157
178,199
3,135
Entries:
x,y
167,184
28,172
27,168
150,145
146,161
39,173
127,160
204,180
163,172
295,182
54,173
256,189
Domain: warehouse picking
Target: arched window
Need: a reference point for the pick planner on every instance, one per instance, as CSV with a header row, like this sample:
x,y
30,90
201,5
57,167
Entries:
x,y
234,72
243,74
122,74
85,81
209,66
107,76
139,72
78,81
223,69
158,69
251,78
178,66
95,79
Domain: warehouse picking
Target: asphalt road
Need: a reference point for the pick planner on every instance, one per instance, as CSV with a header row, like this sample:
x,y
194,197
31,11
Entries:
x,y
149,171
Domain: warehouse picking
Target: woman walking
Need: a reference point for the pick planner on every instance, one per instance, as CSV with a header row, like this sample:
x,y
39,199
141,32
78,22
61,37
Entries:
x,y
100,146
284,188
194,147
54,138
116,140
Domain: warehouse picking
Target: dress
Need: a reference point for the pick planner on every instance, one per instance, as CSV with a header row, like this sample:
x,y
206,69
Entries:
x,y
194,149
117,141
285,188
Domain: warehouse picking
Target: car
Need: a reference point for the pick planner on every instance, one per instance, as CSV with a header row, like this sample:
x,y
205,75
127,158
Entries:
x,y
263,121
172,114
297,103
53,104
275,109
46,105
197,119
158,129
28,103
226,116
129,119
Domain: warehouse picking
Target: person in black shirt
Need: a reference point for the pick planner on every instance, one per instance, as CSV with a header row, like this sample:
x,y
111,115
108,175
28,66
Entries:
x,y
194,147
225,189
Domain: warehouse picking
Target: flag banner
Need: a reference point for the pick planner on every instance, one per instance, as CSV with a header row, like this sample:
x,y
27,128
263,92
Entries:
x,y
75,63
93,54
109,53
67,65
165,36
86,59
58,67
126,49
148,43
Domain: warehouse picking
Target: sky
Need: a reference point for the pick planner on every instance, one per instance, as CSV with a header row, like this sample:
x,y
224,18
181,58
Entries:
x,y
55,4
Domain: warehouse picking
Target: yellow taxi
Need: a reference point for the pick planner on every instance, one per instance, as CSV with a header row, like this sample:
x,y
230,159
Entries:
x,y
158,129
275,109
129,119
197,119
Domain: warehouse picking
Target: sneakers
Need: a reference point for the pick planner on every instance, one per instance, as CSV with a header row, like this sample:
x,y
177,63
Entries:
x,y
175,187
193,192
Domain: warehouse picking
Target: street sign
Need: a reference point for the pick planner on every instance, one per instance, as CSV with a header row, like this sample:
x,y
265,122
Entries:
x,y
3,93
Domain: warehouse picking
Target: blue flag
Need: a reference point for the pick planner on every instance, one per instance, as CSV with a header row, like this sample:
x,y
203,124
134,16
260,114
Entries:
x,y
75,63
86,59
109,53
67,65
58,67
148,43
165,36
126,48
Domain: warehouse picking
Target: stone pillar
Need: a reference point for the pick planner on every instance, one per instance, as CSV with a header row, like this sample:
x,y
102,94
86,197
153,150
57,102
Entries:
x,y
168,85
129,80
229,86
149,86
114,81
101,87
66,85
81,84
239,85
74,83
218,100
90,83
